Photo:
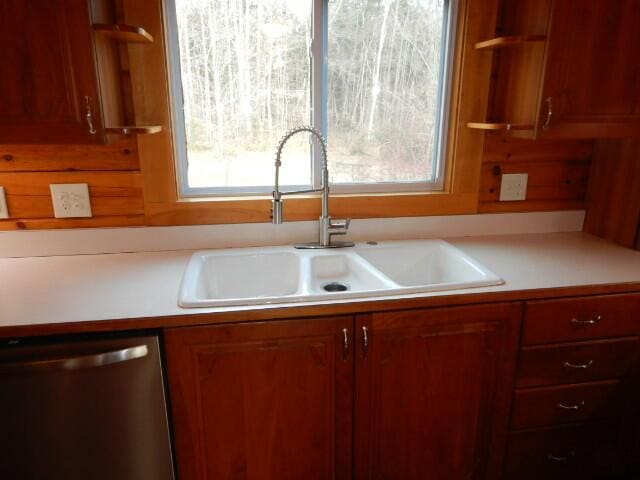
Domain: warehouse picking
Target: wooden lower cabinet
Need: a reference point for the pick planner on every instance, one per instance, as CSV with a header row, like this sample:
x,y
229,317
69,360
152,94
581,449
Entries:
x,y
566,452
262,401
568,363
432,392
575,410
421,394
558,404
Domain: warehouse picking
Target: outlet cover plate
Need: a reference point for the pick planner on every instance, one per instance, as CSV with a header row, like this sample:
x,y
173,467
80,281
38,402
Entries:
x,y
4,211
70,200
513,187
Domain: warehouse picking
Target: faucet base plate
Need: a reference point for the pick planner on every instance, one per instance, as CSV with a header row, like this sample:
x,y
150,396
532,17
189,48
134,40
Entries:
x,y
316,245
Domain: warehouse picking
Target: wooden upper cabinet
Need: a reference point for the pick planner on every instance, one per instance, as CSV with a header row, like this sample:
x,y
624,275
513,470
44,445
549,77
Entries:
x,y
48,82
263,401
593,74
432,392
582,82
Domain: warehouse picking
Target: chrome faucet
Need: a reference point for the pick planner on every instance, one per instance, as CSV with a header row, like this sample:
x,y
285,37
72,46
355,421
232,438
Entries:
x,y
327,227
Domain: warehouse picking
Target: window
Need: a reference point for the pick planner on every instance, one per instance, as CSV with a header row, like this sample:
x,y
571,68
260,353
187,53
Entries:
x,y
371,75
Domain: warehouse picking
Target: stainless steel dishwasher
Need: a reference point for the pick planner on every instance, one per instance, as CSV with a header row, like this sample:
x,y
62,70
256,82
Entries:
x,y
89,410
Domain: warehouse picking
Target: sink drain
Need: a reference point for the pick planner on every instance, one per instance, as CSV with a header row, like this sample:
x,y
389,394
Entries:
x,y
335,287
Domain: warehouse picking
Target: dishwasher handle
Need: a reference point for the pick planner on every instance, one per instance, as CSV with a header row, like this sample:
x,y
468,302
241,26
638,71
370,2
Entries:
x,y
77,363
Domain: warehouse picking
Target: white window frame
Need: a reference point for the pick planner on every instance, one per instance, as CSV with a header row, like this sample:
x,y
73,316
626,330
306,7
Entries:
x,y
318,114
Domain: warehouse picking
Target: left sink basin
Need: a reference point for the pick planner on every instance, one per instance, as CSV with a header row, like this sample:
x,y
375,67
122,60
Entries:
x,y
223,277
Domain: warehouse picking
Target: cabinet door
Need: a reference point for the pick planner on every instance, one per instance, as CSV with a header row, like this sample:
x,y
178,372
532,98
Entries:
x,y
592,72
433,390
263,401
48,73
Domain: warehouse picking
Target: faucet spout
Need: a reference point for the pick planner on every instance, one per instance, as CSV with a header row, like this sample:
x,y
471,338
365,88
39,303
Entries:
x,y
327,227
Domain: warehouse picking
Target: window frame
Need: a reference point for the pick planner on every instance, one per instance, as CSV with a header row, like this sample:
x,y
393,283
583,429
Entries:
x,y
319,84
153,105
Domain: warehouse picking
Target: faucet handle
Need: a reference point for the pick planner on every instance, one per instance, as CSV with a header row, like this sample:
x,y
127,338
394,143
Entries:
x,y
341,224
339,227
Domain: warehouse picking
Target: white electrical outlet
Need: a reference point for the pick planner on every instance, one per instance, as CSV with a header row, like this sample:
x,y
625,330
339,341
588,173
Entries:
x,y
70,200
4,211
513,187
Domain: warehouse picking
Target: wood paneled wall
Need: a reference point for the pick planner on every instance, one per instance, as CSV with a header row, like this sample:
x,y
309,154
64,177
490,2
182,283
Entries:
x,y
558,173
558,177
112,172
613,205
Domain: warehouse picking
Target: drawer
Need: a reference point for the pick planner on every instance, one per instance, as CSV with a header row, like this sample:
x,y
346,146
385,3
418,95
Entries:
x,y
582,318
576,362
547,406
583,451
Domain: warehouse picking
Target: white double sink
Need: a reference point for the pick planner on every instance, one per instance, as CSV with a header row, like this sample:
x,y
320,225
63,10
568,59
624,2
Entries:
x,y
267,275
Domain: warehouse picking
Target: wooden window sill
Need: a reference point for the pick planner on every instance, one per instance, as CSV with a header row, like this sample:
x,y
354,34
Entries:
x,y
258,210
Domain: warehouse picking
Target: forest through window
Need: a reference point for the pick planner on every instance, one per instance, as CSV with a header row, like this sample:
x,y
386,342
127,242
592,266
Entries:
x,y
245,72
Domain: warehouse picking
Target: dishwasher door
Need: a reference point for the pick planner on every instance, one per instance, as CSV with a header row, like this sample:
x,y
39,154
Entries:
x,y
84,410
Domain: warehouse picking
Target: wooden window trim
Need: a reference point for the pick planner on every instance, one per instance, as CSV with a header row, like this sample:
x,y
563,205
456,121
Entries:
x,y
476,19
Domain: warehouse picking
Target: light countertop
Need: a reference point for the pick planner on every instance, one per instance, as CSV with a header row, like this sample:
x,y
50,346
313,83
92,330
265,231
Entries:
x,y
88,288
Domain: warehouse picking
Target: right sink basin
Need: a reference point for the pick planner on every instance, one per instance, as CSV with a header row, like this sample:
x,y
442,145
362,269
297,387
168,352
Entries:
x,y
426,265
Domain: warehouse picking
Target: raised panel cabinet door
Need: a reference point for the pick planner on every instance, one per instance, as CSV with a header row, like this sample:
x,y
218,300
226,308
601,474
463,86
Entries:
x,y
592,75
433,389
268,401
48,83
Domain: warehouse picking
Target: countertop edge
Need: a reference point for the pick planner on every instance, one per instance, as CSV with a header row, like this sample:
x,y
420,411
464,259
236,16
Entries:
x,y
253,314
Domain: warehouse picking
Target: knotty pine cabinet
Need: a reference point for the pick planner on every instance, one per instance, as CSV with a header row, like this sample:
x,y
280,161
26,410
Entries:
x,y
49,83
432,392
400,395
65,77
263,401
574,413
574,72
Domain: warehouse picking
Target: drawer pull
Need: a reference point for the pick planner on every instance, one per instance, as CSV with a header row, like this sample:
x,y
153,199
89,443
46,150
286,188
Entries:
x,y
576,406
578,366
585,323
555,458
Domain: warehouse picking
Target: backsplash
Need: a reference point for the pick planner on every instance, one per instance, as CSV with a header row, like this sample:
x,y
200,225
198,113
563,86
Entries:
x,y
117,240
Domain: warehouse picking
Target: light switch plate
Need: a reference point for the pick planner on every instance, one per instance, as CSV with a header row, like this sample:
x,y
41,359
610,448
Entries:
x,y
4,211
513,187
70,200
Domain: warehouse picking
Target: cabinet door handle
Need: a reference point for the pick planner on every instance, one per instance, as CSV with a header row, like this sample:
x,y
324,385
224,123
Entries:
x,y
558,459
365,340
578,366
89,115
591,321
547,123
575,407
345,342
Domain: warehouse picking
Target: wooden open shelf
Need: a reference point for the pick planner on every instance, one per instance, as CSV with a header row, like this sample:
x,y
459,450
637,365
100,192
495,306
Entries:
x,y
124,33
500,126
133,130
501,42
